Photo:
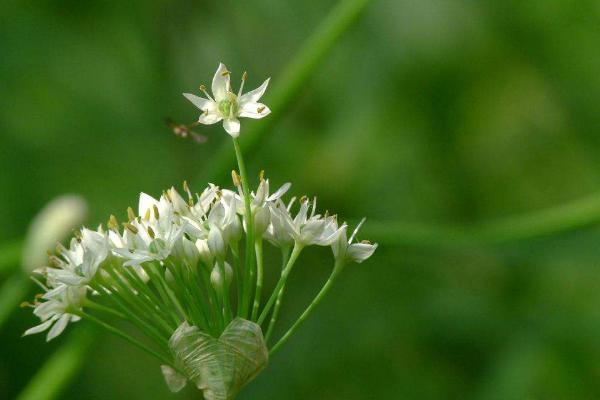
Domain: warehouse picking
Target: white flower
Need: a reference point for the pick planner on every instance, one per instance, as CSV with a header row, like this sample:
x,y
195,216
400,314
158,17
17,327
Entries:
x,y
228,106
81,261
152,235
54,311
307,230
346,250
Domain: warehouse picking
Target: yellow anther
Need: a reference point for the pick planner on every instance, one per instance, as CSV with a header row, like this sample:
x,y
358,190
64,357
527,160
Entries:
x,y
147,214
131,228
130,214
150,232
155,209
260,109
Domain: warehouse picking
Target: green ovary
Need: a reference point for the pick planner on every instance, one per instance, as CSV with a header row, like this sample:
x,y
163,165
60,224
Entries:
x,y
228,107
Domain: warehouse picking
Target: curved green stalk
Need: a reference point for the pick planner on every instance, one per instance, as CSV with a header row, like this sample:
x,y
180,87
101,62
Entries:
x,y
336,271
285,253
286,272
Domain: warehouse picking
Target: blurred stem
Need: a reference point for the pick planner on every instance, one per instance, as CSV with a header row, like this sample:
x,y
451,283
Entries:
x,y
578,214
339,266
12,293
291,81
249,255
10,256
56,373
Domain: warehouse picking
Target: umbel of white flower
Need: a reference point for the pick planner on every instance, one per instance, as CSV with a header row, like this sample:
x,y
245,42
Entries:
x,y
187,271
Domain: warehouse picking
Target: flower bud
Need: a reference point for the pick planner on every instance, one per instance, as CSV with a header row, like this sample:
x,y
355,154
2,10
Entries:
x,y
216,280
262,219
204,252
216,244
186,250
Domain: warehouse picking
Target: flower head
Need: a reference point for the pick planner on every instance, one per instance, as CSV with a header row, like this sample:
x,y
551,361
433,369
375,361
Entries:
x,y
226,106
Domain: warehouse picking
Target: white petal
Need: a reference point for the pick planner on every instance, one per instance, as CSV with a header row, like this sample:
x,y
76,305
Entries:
x,y
280,192
220,83
232,126
210,117
146,203
359,252
254,95
58,327
38,328
199,102
254,110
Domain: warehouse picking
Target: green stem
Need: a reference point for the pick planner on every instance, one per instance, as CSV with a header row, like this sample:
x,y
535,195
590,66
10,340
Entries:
x,y
122,335
286,272
249,255
235,253
285,253
258,247
336,271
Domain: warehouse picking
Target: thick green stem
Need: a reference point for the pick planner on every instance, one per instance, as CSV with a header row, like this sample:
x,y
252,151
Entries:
x,y
249,255
336,271
286,272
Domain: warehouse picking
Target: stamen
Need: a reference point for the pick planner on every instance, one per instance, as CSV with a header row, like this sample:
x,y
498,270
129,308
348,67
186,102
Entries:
x,y
260,109
150,232
203,90
131,228
130,214
113,223
261,175
244,77
186,188
225,73
155,209
235,178
147,215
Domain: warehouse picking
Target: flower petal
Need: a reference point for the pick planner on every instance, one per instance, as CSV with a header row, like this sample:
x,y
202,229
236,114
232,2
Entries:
x,y
220,83
254,110
38,328
359,252
210,116
199,102
254,95
58,327
232,126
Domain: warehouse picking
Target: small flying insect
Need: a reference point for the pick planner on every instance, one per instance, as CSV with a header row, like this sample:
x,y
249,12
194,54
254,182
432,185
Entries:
x,y
185,131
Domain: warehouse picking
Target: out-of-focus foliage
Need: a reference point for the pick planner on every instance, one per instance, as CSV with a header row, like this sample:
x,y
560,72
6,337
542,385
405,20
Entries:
x,y
433,111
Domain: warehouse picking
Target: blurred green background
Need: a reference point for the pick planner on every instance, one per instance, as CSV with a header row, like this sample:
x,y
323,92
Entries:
x,y
424,113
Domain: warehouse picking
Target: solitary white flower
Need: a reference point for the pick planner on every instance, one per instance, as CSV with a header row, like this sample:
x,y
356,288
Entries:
x,y
226,105
346,250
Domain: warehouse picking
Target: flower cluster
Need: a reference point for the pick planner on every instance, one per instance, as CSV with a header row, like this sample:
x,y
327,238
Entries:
x,y
175,270
197,233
